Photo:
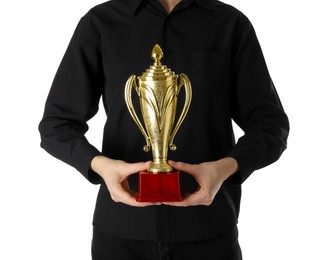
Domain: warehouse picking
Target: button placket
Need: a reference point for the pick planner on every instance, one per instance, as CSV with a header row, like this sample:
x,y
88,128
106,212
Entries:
x,y
166,39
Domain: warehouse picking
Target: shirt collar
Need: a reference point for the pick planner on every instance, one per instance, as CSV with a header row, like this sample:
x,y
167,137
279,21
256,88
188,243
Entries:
x,y
134,5
209,4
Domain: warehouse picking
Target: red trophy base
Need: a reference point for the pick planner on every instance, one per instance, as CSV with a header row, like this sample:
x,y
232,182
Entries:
x,y
160,187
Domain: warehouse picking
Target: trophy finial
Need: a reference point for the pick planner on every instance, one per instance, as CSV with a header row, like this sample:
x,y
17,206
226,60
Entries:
x,y
157,54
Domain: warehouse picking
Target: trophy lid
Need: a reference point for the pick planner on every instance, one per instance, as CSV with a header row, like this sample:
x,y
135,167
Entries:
x,y
157,71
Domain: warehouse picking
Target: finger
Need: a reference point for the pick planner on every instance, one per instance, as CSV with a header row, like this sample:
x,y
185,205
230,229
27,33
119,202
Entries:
x,y
131,168
125,197
185,167
193,199
126,186
132,202
148,163
190,200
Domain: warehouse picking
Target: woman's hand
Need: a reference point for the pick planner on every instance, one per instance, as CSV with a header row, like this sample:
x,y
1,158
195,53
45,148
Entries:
x,y
209,175
115,174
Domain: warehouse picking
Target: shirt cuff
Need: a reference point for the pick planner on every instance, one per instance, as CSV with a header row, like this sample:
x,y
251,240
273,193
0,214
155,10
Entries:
x,y
246,164
83,165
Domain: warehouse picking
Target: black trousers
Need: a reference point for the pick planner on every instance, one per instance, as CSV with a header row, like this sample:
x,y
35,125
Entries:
x,y
223,247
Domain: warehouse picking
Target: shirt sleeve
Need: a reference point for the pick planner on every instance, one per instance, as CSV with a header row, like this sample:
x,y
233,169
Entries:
x,y
73,99
256,107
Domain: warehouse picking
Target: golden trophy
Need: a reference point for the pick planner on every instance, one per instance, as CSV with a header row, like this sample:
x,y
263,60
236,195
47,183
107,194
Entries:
x,y
158,89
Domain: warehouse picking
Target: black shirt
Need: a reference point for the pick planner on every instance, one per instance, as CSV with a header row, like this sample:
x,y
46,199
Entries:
x,y
215,45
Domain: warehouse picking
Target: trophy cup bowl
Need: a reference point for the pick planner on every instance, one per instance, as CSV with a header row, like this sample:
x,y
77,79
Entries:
x,y
158,90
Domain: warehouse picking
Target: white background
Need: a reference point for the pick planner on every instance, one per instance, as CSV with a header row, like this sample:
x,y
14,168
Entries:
x,y
46,206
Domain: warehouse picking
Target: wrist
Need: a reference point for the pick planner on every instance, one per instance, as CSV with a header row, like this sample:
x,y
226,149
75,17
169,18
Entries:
x,y
98,164
229,167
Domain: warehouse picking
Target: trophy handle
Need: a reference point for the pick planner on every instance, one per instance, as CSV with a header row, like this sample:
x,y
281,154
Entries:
x,y
184,81
128,99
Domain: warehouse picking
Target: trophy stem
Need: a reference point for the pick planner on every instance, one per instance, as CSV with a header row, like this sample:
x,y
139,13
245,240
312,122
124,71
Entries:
x,y
160,166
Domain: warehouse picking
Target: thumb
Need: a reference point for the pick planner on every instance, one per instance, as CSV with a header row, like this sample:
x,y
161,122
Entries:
x,y
184,167
132,168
